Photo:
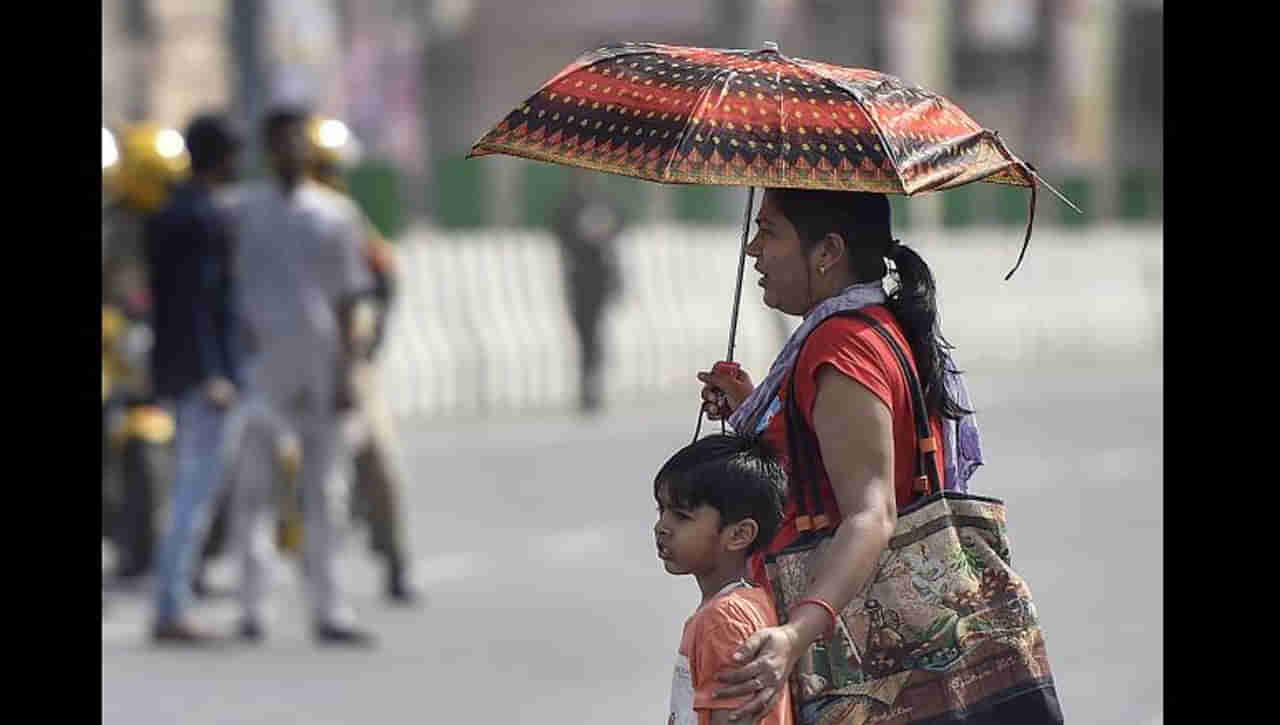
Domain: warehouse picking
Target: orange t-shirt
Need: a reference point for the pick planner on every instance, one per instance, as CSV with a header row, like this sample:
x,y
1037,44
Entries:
x,y
707,645
854,349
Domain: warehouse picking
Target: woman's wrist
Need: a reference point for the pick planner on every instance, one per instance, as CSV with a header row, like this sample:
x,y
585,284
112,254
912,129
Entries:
x,y
832,617
807,624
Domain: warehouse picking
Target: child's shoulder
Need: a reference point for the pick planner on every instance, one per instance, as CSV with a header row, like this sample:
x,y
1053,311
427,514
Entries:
x,y
749,608
718,629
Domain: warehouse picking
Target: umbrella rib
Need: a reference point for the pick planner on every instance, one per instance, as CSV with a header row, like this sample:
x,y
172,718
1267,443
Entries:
x,y
684,132
888,148
1031,210
1004,149
862,106
1056,193
952,145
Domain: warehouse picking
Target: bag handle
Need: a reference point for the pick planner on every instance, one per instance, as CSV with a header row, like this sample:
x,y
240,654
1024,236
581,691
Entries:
x,y
927,478
802,447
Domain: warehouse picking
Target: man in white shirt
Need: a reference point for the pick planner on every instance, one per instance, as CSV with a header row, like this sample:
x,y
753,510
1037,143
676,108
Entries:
x,y
300,273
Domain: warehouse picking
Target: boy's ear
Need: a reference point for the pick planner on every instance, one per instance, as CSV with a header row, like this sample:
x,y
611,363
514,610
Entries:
x,y
742,534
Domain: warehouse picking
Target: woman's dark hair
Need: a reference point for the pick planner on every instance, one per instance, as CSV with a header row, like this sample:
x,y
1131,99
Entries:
x,y
862,219
737,475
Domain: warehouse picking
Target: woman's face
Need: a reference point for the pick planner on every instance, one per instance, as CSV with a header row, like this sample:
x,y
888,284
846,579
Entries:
x,y
781,260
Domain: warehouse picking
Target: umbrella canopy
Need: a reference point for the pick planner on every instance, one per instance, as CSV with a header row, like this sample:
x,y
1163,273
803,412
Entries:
x,y
686,115
677,114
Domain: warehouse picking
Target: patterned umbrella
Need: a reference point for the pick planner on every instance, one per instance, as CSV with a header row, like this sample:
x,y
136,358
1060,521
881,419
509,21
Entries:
x,y
686,115
751,118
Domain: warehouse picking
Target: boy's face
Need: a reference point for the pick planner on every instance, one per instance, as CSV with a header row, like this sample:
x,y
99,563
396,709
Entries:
x,y
689,541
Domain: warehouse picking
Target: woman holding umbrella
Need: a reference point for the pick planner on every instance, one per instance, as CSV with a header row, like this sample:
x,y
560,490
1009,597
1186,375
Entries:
x,y
819,253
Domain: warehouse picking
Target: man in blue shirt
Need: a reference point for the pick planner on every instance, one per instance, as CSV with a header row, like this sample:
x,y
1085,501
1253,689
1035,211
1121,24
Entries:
x,y
194,361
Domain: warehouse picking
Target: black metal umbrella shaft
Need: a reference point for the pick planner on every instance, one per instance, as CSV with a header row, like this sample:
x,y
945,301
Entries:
x,y
742,262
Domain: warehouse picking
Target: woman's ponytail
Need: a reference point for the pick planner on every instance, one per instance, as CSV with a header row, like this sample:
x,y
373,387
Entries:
x,y
914,303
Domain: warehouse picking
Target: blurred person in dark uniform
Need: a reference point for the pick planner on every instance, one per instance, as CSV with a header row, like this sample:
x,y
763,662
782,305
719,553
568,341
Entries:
x,y
299,270
378,479
587,225
141,164
195,359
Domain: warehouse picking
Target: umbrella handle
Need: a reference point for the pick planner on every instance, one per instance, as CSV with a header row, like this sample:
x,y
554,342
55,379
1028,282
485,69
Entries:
x,y
702,408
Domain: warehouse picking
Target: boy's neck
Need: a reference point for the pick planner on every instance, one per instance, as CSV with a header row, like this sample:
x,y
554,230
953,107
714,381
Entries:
x,y
712,582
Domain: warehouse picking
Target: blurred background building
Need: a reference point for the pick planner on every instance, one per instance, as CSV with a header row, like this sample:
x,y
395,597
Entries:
x,y
1075,86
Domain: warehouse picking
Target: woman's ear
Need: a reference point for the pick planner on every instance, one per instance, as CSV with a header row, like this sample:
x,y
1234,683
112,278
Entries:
x,y
742,534
831,250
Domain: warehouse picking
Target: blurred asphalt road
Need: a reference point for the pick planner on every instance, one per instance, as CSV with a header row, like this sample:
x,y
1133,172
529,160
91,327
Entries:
x,y
547,605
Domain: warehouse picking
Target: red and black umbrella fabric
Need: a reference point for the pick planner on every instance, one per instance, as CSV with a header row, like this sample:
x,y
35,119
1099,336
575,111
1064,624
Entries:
x,y
679,114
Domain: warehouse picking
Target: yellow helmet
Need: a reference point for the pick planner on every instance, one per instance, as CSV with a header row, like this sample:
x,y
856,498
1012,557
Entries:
x,y
113,323
332,146
151,158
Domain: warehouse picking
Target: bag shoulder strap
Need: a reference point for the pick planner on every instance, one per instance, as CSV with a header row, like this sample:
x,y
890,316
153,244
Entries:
x,y
803,448
927,478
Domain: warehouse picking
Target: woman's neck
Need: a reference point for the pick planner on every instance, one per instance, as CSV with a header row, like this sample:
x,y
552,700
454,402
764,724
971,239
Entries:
x,y
824,290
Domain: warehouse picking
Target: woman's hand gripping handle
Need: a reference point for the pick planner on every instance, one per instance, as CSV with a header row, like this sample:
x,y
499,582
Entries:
x,y
724,388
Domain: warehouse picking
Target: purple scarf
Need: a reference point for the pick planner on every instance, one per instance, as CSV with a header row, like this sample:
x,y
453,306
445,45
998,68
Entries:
x,y
961,445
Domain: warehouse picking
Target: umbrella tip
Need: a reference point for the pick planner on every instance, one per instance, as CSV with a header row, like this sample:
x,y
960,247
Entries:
x,y
770,45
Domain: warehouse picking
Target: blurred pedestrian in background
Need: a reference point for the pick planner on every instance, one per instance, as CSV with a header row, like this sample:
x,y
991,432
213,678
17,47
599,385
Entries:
x,y
369,436
299,269
141,164
195,362
587,224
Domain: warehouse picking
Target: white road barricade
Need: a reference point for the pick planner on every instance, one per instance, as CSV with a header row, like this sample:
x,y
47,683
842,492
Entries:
x,y
482,325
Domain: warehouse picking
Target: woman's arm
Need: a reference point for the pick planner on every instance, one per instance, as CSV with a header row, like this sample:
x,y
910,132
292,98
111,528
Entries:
x,y
855,434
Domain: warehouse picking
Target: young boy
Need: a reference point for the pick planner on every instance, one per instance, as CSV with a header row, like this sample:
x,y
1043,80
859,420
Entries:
x,y
719,499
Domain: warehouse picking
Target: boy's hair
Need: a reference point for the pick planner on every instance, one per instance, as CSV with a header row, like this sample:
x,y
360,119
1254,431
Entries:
x,y
737,475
